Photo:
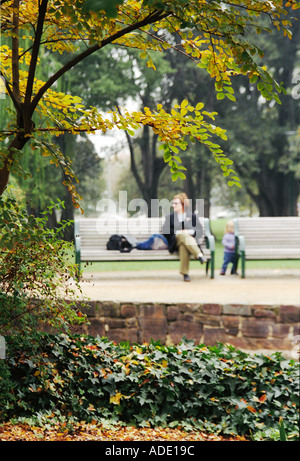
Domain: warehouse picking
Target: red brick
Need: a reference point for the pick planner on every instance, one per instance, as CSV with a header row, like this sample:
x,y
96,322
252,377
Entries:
x,y
172,312
255,328
128,310
280,330
262,312
114,323
152,310
121,335
289,314
191,330
231,325
213,336
153,323
97,328
213,309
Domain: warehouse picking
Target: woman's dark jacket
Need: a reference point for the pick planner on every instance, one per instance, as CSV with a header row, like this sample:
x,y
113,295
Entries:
x,y
172,224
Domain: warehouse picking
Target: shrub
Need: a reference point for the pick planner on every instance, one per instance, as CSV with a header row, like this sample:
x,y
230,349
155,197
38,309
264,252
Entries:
x,y
34,273
209,388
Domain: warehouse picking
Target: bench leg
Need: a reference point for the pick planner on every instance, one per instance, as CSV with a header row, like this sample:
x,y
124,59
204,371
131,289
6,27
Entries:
x,y
243,264
212,265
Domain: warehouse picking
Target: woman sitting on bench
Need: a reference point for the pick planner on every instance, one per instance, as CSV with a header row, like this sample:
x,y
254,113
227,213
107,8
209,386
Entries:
x,y
183,231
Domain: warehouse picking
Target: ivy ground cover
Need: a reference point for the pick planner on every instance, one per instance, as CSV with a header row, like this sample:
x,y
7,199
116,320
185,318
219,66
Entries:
x,y
75,379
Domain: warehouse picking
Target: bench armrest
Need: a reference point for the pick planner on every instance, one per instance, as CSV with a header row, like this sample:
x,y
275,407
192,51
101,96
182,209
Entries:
x,y
210,244
240,243
209,237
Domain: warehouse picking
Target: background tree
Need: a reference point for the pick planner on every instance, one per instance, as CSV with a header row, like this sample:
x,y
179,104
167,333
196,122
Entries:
x,y
174,80
146,161
262,135
222,49
110,83
254,126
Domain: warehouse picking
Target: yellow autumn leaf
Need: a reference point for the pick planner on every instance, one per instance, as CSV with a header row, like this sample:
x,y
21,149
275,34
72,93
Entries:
x,y
115,399
184,103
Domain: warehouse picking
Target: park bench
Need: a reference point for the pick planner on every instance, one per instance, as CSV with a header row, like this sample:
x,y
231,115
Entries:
x,y
267,238
92,235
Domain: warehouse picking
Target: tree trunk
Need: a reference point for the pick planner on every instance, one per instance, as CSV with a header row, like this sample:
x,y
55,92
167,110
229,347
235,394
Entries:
x,y
18,143
277,195
152,167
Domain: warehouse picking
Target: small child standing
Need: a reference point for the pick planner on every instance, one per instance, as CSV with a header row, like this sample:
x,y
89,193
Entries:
x,y
228,242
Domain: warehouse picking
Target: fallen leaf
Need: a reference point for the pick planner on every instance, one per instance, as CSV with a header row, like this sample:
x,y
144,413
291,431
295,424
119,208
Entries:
x,y
96,432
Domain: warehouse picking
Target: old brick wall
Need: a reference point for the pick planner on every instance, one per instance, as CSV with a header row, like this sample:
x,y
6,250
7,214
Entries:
x,y
244,326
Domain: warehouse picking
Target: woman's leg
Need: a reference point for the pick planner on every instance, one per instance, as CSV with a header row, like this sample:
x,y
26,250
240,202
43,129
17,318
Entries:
x,y
187,246
184,257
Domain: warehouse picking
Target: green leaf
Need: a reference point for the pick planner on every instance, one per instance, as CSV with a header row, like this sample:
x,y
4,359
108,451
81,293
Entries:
x,y
167,156
181,175
231,97
175,149
284,364
282,432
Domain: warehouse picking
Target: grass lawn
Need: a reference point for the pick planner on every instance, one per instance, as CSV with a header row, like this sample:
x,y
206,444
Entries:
x,y
217,229
108,266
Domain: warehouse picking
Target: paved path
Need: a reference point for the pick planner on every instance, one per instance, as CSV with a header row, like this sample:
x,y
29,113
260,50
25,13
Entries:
x,y
265,286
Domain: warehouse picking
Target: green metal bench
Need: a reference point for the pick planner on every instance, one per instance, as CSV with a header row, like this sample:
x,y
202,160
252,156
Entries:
x,y
267,238
91,236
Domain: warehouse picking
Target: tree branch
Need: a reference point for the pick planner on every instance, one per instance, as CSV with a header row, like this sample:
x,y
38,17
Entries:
x,y
35,50
11,94
151,18
133,166
15,53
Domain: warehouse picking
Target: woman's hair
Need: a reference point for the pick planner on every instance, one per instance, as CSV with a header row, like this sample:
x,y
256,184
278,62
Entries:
x,y
185,202
229,226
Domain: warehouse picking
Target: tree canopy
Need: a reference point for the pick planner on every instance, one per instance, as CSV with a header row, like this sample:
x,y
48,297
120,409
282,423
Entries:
x,y
214,34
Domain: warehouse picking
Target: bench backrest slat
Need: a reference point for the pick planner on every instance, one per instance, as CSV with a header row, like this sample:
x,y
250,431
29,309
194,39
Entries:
x,y
270,232
96,232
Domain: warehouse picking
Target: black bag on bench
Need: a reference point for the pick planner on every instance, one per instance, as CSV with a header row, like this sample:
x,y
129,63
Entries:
x,y
123,243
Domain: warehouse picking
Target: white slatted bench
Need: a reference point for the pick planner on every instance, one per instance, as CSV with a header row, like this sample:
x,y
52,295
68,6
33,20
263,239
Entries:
x,y
267,238
91,236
